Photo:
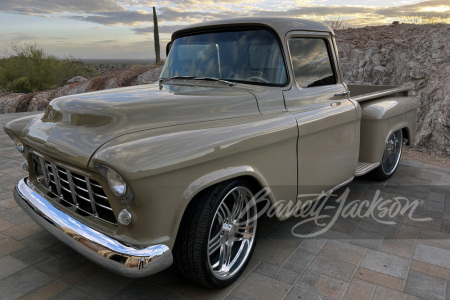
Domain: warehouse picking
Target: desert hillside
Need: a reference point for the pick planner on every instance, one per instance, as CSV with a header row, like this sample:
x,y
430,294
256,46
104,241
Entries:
x,y
411,55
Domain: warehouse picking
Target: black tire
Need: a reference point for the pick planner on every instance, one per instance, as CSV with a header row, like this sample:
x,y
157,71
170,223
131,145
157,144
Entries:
x,y
197,233
391,157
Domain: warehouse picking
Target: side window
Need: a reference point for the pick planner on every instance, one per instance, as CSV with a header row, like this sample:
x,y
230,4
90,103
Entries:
x,y
311,62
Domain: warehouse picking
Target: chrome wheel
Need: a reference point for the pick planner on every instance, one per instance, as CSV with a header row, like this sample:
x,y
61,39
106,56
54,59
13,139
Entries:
x,y
232,233
392,153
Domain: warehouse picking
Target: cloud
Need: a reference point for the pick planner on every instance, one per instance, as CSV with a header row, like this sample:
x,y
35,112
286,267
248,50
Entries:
x,y
105,42
174,12
116,17
161,28
23,38
43,7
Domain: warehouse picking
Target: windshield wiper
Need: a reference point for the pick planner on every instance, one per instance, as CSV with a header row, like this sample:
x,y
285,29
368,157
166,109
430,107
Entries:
x,y
230,83
176,77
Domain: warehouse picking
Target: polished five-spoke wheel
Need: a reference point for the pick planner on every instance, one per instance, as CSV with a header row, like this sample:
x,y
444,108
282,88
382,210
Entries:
x,y
391,156
217,234
232,233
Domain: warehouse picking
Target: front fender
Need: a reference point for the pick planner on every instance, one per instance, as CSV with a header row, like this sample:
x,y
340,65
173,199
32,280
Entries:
x,y
167,167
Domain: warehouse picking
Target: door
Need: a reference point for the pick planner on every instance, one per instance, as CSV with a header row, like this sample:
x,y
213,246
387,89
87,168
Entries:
x,y
328,124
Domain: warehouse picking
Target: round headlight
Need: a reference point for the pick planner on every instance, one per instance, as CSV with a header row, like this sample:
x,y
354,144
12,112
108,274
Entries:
x,y
116,183
19,145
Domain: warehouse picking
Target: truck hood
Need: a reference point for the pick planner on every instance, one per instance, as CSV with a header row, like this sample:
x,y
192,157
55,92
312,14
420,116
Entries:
x,y
74,127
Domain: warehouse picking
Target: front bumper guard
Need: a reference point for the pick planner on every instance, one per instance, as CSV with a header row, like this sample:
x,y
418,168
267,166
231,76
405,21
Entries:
x,y
101,249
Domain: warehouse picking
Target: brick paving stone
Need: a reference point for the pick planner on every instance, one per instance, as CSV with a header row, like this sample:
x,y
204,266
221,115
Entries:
x,y
425,286
439,197
18,218
380,279
386,231
103,284
79,274
23,230
138,291
297,294
322,284
432,255
8,245
332,267
407,232
383,293
400,247
385,263
287,276
44,240
5,225
22,283
432,270
61,264
274,251
435,206
267,269
48,291
334,235
258,287
29,255
345,225
313,244
8,203
9,265
359,290
343,251
71,294
298,261
365,238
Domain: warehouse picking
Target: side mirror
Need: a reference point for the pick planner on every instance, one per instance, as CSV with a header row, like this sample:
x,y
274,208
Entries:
x,y
169,45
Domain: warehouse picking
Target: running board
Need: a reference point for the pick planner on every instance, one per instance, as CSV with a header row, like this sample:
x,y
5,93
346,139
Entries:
x,y
365,167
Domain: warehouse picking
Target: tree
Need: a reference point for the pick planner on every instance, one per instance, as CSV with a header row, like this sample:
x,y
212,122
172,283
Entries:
x,y
156,37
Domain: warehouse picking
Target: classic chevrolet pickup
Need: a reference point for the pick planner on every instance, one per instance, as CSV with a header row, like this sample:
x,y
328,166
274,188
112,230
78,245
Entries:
x,y
138,178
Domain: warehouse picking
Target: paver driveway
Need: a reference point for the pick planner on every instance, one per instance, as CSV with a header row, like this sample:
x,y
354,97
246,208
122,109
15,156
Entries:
x,y
357,258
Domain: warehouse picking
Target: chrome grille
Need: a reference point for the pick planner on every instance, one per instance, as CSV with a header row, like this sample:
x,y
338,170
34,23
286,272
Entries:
x,y
73,189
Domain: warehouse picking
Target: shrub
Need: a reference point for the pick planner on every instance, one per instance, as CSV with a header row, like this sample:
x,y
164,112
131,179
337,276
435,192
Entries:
x,y
423,18
28,68
335,22
20,85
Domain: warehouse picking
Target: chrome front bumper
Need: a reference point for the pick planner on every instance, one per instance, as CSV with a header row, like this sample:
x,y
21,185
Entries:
x,y
101,249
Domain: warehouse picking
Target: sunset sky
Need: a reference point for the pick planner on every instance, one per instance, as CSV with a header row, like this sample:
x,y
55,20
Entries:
x,y
123,28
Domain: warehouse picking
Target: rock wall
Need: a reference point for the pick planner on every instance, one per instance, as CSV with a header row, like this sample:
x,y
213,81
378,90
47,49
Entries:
x,y
409,55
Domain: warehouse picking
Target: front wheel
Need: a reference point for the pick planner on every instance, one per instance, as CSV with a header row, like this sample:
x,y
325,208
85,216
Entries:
x,y
217,235
391,156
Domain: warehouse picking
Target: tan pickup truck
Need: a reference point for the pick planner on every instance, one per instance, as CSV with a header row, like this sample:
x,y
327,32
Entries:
x,y
142,177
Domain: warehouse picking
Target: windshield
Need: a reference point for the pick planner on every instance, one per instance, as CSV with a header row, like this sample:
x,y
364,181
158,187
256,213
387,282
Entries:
x,y
251,56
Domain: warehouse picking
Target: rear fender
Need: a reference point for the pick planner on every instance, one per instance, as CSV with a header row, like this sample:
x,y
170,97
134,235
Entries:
x,y
380,118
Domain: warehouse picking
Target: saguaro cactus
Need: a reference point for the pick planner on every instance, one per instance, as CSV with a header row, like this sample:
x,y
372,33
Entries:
x,y
156,36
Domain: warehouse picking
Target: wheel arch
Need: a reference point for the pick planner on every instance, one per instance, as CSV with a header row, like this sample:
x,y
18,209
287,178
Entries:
x,y
199,186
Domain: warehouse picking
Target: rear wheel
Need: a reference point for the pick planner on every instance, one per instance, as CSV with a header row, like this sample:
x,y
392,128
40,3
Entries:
x,y
391,156
217,235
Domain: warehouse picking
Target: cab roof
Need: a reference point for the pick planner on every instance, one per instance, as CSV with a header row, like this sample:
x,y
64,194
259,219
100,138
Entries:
x,y
280,25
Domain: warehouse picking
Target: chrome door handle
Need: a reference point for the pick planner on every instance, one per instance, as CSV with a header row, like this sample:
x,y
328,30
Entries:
x,y
344,93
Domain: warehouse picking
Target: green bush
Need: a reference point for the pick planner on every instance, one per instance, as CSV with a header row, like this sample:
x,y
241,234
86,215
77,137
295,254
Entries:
x,y
27,68
20,85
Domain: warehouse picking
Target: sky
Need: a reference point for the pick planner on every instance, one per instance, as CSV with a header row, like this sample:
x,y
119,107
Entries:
x,y
123,29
